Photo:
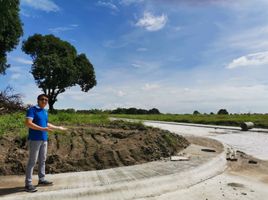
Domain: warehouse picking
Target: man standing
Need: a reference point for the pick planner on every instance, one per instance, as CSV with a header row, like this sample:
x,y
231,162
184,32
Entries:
x,y
37,121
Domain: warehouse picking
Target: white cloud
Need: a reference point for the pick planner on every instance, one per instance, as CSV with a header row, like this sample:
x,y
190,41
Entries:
x,y
146,66
172,99
151,22
16,72
29,92
135,65
129,2
21,60
44,5
256,59
108,4
63,28
120,93
15,76
253,39
24,13
149,87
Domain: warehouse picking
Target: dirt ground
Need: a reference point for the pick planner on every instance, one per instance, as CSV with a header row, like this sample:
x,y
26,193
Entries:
x,y
93,147
250,167
245,165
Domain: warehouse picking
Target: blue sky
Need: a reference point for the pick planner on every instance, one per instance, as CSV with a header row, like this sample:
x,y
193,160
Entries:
x,y
175,55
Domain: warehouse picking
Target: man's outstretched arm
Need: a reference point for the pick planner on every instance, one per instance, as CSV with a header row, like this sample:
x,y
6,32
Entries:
x,y
29,123
51,126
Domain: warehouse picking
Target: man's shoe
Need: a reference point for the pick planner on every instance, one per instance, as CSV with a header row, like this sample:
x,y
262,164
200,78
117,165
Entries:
x,y
30,188
44,183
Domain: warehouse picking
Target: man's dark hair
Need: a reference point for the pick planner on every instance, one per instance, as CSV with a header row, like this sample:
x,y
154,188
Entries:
x,y
42,95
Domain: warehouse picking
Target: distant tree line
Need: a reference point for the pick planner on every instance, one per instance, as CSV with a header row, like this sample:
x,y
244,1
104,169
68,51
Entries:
x,y
132,110
135,111
220,112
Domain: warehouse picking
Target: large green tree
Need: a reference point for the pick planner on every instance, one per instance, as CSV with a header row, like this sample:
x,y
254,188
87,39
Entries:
x,y
57,66
10,29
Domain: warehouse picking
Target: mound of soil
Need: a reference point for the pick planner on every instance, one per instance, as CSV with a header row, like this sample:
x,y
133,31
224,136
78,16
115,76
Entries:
x,y
93,147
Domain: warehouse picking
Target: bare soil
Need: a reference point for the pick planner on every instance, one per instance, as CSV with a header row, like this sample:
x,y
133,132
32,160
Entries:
x,y
93,148
250,167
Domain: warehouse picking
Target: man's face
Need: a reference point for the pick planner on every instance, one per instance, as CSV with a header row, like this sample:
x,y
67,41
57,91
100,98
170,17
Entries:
x,y
42,101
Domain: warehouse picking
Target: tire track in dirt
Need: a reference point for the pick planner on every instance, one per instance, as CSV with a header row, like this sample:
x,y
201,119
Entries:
x,y
91,148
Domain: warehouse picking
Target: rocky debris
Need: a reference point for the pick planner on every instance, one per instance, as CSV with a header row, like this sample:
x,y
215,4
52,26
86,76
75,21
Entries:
x,y
231,154
252,162
91,147
209,150
179,158
236,185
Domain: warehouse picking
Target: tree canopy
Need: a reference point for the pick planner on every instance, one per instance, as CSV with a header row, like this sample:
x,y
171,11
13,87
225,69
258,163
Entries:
x,y
10,30
57,66
135,111
196,112
223,112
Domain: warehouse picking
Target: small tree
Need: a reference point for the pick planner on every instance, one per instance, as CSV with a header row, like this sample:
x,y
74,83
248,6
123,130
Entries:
x,y
10,102
223,112
196,112
10,30
154,111
56,66
132,111
142,111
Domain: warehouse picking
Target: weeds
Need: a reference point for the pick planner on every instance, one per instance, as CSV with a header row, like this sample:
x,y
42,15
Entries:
x,y
13,124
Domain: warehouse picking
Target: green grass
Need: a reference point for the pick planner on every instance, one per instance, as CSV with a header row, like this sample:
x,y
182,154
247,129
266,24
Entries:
x,y
170,139
260,120
63,118
13,124
127,125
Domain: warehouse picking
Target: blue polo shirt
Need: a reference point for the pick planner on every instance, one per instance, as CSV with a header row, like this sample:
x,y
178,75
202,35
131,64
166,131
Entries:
x,y
40,118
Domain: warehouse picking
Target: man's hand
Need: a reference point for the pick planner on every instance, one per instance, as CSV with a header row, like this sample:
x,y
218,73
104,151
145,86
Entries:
x,y
62,128
53,127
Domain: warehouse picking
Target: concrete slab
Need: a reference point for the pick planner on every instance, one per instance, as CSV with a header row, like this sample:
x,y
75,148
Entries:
x,y
251,142
154,178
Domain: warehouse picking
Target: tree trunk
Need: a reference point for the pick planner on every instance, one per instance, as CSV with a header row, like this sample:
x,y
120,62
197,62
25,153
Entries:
x,y
51,107
52,94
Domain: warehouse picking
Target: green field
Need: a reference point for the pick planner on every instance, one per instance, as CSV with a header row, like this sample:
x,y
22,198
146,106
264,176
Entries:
x,y
260,120
13,124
